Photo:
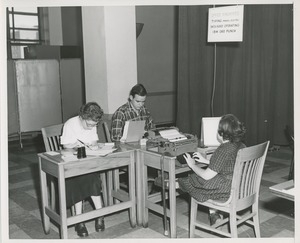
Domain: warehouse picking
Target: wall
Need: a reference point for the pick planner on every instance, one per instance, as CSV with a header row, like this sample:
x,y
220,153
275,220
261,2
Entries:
x,y
55,26
157,59
71,26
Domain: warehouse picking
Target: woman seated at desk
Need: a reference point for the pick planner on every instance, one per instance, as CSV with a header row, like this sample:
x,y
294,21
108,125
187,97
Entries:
x,y
83,128
214,182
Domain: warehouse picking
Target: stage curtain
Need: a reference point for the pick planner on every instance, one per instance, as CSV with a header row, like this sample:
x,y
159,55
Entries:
x,y
253,78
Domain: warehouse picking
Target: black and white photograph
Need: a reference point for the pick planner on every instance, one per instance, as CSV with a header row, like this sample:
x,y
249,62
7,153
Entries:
x,y
142,120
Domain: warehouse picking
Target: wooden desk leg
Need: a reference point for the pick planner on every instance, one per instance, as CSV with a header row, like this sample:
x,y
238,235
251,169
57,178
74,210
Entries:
x,y
109,188
52,195
62,203
132,193
139,161
45,202
145,211
172,196
104,188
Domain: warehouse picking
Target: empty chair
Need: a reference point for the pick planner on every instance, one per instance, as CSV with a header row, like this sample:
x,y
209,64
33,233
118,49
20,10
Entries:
x,y
244,194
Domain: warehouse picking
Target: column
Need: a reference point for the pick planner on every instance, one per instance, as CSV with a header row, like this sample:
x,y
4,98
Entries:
x,y
109,40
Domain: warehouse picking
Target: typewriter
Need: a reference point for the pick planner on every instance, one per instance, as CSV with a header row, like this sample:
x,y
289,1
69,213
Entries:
x,y
170,141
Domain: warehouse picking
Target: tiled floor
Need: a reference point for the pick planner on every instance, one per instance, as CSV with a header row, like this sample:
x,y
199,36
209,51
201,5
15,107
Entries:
x,y
25,217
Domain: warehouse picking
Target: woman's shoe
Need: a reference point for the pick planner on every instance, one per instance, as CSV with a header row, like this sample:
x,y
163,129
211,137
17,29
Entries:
x,y
99,224
81,230
214,217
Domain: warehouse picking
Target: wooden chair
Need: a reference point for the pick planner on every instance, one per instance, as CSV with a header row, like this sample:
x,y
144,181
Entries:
x,y
106,132
244,194
290,136
51,136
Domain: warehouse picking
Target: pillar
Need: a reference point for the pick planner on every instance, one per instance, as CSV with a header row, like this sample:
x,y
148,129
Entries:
x,y
109,41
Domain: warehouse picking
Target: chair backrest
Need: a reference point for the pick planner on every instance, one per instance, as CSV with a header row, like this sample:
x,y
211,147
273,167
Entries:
x,y
51,137
106,132
247,175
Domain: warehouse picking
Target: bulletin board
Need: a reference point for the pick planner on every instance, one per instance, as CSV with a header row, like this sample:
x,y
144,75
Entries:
x,y
38,94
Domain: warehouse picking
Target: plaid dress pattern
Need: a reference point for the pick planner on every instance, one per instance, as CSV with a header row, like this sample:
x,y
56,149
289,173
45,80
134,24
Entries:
x,y
218,187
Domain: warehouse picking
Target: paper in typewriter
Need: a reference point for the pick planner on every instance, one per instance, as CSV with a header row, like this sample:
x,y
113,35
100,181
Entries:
x,y
172,135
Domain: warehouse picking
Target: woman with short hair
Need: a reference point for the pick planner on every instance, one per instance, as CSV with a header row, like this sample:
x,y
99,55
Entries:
x,y
84,128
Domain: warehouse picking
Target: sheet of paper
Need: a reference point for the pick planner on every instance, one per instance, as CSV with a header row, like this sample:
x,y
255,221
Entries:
x,y
52,153
290,191
172,135
106,146
103,149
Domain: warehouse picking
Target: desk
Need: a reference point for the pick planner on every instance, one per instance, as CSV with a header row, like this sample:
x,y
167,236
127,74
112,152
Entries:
x,y
284,190
151,159
57,167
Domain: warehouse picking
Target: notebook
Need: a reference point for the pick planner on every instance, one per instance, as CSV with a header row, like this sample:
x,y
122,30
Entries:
x,y
133,131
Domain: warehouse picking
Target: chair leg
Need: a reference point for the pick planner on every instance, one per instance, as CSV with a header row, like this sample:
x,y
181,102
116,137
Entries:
x,y
233,224
193,217
256,221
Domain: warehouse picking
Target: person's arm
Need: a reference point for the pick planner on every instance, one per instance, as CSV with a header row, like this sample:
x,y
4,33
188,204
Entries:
x,y
71,145
206,174
68,139
149,121
117,125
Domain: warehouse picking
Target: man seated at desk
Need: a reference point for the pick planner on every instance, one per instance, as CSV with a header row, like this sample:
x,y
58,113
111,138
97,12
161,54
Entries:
x,y
133,110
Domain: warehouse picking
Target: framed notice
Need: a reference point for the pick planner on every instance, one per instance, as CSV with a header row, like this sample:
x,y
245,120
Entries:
x,y
225,24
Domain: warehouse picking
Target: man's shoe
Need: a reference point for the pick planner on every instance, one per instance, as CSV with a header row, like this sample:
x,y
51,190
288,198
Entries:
x,y
214,217
81,230
99,224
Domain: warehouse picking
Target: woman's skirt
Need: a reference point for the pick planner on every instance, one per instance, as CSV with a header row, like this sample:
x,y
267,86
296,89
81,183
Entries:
x,y
81,187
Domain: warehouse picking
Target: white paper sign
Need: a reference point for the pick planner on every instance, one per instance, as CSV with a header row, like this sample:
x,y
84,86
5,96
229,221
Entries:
x,y
225,24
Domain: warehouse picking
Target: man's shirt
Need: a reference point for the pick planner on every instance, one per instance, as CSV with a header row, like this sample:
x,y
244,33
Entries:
x,y
127,113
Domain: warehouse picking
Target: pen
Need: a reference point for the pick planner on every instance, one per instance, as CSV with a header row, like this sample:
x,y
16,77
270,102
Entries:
x,y
84,144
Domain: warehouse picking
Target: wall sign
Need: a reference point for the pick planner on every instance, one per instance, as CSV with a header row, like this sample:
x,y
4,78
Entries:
x,y
225,24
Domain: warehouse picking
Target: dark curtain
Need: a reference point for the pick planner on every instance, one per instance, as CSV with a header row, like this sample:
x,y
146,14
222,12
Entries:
x,y
254,78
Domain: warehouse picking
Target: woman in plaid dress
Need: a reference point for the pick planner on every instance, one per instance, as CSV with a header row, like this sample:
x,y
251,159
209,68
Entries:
x,y
214,182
